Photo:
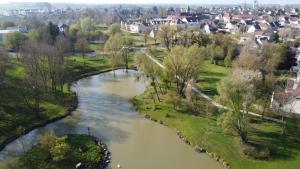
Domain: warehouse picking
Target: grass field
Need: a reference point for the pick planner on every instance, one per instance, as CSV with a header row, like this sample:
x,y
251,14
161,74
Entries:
x,y
97,47
209,76
205,132
139,39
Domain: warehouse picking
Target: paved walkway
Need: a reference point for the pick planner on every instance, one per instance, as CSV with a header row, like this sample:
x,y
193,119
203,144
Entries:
x,y
207,97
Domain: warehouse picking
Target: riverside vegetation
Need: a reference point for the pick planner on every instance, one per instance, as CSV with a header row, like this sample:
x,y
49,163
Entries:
x,y
35,87
64,152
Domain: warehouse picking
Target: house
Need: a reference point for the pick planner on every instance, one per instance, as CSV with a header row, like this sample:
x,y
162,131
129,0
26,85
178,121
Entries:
x,y
232,27
179,23
254,28
63,28
153,33
294,19
262,40
227,18
22,29
135,26
5,32
210,28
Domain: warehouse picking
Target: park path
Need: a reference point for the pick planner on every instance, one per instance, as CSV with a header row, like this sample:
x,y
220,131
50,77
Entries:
x,y
207,97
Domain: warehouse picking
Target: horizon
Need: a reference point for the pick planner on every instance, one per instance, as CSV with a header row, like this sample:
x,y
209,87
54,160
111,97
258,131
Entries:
x,y
132,2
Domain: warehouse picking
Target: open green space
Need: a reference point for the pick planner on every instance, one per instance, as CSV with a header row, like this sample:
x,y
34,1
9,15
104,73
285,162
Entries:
x,y
209,76
203,131
139,40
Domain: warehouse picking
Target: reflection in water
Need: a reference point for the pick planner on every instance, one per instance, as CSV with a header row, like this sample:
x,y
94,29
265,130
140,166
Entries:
x,y
135,143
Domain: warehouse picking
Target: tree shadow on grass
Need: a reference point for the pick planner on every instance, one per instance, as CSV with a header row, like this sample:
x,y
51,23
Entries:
x,y
215,74
281,147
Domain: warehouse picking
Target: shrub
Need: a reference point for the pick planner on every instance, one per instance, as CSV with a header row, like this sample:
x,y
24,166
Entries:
x,y
261,153
250,151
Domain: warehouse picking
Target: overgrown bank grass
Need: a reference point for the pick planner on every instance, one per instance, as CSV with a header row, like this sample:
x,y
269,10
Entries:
x,y
204,132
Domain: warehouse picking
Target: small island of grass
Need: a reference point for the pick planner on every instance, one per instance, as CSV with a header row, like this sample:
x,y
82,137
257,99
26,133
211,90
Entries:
x,y
68,152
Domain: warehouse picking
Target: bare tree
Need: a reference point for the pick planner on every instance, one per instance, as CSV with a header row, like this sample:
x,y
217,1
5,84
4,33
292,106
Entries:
x,y
119,48
166,34
3,65
35,64
82,46
62,46
237,93
146,36
149,70
183,64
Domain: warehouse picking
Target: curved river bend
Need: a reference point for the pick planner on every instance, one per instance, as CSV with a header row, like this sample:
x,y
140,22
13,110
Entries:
x,y
135,142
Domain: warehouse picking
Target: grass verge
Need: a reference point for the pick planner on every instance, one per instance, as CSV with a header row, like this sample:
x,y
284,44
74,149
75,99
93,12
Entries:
x,y
202,131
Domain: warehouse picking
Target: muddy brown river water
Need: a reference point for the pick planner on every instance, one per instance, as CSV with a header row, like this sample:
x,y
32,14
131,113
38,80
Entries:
x,y
135,143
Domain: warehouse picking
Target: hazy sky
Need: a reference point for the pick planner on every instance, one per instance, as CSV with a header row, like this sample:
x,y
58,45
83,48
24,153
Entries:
x,y
159,1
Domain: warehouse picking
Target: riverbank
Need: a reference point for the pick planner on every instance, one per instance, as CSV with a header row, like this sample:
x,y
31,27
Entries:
x,y
82,151
202,132
21,121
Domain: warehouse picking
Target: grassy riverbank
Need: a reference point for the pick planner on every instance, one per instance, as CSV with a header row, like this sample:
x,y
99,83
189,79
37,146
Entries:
x,y
202,131
17,118
64,152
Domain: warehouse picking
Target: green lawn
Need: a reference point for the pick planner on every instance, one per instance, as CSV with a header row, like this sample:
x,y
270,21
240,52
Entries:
x,y
205,132
139,39
209,76
159,55
97,47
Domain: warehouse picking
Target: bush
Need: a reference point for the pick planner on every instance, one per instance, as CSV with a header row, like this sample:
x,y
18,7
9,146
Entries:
x,y
250,151
261,153
60,149
63,152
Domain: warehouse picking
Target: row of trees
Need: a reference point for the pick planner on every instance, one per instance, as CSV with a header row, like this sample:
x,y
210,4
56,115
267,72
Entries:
x,y
215,47
250,85
44,70
88,29
119,47
182,65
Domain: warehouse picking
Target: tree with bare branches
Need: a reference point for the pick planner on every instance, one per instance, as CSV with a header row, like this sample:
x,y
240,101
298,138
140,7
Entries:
x,y
183,65
82,46
3,65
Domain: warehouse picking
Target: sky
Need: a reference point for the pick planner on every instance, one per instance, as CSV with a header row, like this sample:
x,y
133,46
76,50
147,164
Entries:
x,y
159,1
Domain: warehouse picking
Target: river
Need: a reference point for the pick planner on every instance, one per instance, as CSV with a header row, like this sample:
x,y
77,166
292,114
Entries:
x,y
135,143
